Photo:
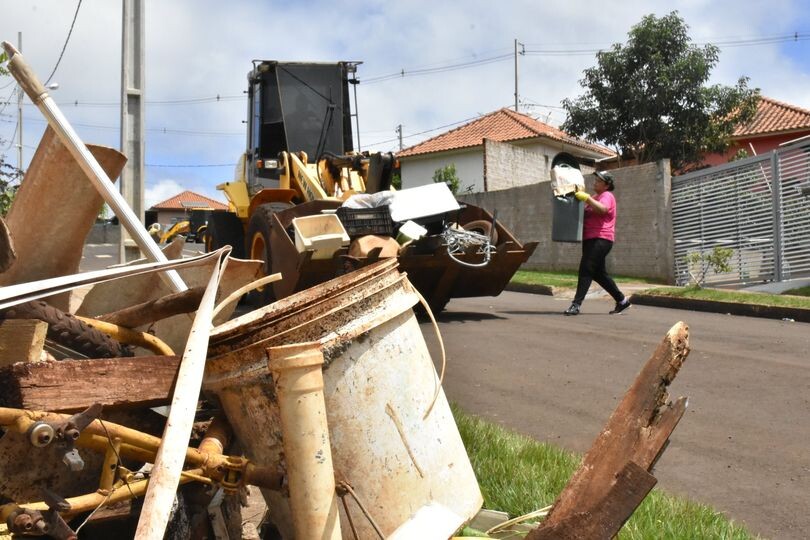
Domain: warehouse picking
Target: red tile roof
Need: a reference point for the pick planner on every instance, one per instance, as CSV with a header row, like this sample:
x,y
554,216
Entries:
x,y
187,200
774,117
502,125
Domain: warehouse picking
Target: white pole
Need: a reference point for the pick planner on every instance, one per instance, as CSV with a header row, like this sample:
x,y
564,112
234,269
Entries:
x,y
39,96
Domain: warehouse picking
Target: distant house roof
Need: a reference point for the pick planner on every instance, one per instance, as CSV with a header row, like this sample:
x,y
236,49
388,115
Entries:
x,y
187,200
502,125
774,117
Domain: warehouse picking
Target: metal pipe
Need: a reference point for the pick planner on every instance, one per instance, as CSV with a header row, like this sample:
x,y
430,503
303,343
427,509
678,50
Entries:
x,y
39,96
298,377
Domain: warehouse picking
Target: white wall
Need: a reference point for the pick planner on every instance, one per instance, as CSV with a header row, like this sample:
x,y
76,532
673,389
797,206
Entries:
x,y
508,162
419,170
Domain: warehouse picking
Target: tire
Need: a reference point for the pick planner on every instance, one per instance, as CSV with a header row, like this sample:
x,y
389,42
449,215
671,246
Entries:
x,y
68,331
257,245
482,226
225,229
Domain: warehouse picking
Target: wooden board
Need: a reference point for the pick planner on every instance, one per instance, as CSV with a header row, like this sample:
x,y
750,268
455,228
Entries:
x,y
21,340
74,385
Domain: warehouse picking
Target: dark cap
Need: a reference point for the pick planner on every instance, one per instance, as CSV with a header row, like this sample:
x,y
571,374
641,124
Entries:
x,y
606,177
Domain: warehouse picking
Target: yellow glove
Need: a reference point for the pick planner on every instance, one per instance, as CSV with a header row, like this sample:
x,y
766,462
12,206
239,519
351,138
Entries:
x,y
582,196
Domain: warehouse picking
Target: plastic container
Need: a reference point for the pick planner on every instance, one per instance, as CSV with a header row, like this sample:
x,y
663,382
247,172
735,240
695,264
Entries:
x,y
410,231
363,221
567,215
324,234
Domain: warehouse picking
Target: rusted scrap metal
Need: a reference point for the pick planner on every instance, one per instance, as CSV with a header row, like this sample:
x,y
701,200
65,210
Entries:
x,y
615,474
7,253
54,185
71,385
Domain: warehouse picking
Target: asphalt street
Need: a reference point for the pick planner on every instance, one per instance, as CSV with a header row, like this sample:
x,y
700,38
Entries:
x,y
742,446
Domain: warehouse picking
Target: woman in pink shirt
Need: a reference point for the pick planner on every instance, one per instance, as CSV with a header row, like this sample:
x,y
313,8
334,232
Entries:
x,y
598,232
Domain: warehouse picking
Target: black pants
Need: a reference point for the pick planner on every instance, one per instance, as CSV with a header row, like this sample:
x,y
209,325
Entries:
x,y
592,268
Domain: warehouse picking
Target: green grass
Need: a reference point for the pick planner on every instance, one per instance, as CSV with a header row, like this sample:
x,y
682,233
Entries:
x,y
799,291
518,475
563,279
718,295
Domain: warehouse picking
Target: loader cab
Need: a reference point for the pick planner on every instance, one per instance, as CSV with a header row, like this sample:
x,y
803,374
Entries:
x,y
293,107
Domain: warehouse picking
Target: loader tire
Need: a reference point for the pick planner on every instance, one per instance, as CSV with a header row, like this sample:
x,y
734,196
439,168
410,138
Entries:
x,y
225,229
257,244
68,331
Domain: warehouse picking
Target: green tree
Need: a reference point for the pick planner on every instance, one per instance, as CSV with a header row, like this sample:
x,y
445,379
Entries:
x,y
447,174
9,175
649,97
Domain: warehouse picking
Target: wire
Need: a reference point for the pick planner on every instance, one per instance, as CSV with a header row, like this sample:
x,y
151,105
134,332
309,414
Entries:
x,y
160,165
66,43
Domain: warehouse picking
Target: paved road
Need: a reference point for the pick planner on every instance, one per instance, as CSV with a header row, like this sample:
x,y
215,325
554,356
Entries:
x,y
742,445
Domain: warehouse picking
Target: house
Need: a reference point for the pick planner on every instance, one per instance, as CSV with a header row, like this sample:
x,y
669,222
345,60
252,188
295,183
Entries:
x,y
500,150
775,123
178,207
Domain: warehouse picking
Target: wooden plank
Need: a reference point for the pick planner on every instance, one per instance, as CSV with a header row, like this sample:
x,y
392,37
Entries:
x,y
637,431
21,340
157,309
73,385
608,515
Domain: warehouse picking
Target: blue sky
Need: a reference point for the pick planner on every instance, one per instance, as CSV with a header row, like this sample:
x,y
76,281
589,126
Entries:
x,y
198,50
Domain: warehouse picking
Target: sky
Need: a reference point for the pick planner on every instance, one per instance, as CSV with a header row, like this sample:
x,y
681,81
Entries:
x,y
457,57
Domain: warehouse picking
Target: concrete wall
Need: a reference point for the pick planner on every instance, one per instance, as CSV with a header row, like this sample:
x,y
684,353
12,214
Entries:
x,y
644,245
507,166
104,233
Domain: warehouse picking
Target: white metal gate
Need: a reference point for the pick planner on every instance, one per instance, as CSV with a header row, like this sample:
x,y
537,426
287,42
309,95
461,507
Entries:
x,y
758,207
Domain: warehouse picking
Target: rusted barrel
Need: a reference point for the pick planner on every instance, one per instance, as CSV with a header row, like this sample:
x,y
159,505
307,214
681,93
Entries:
x,y
379,381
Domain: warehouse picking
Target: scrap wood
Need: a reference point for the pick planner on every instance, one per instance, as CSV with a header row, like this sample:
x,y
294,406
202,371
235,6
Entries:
x,y
171,454
110,297
155,310
74,385
21,340
53,211
7,253
637,433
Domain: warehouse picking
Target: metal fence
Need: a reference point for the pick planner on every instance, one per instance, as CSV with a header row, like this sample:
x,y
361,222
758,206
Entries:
x,y
752,214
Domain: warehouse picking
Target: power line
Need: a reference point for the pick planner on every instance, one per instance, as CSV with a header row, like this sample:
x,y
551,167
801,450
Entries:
x,y
158,165
66,43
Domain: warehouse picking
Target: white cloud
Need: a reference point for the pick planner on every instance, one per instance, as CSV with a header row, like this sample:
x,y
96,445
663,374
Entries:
x,y
204,48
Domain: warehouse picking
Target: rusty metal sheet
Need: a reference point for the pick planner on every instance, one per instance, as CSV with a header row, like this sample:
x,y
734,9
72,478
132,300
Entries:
x,y
53,211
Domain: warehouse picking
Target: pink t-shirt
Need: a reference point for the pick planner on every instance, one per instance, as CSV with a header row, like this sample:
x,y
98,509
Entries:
x,y
598,225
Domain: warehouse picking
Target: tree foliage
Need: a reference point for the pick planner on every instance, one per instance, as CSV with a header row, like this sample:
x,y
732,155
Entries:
x,y
649,98
9,176
447,174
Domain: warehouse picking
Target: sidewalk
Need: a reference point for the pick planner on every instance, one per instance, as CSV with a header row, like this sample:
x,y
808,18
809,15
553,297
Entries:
x,y
635,292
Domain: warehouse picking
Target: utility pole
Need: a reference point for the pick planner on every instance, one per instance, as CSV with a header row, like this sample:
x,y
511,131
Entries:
x,y
522,51
132,117
19,116
399,134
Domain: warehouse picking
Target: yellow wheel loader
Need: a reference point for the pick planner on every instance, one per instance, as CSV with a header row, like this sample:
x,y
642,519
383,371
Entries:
x,y
300,161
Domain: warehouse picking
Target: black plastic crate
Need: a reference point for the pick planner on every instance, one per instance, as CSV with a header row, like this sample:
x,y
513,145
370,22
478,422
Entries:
x,y
362,221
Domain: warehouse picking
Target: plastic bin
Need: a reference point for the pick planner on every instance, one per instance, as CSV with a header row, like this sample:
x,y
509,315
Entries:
x,y
323,234
567,215
363,221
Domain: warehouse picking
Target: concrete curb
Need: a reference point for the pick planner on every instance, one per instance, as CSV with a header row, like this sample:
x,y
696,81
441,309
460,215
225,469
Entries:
x,y
532,289
711,306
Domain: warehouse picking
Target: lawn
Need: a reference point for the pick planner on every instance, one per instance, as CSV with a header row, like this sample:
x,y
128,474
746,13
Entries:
x,y
563,279
518,475
721,295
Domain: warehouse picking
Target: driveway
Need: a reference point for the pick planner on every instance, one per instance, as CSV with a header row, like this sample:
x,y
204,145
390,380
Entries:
x,y
742,446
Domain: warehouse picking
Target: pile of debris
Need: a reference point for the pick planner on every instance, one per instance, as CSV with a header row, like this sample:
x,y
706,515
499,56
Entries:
x,y
106,427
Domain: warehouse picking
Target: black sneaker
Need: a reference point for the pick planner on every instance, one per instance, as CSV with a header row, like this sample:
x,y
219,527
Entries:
x,y
572,310
621,306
